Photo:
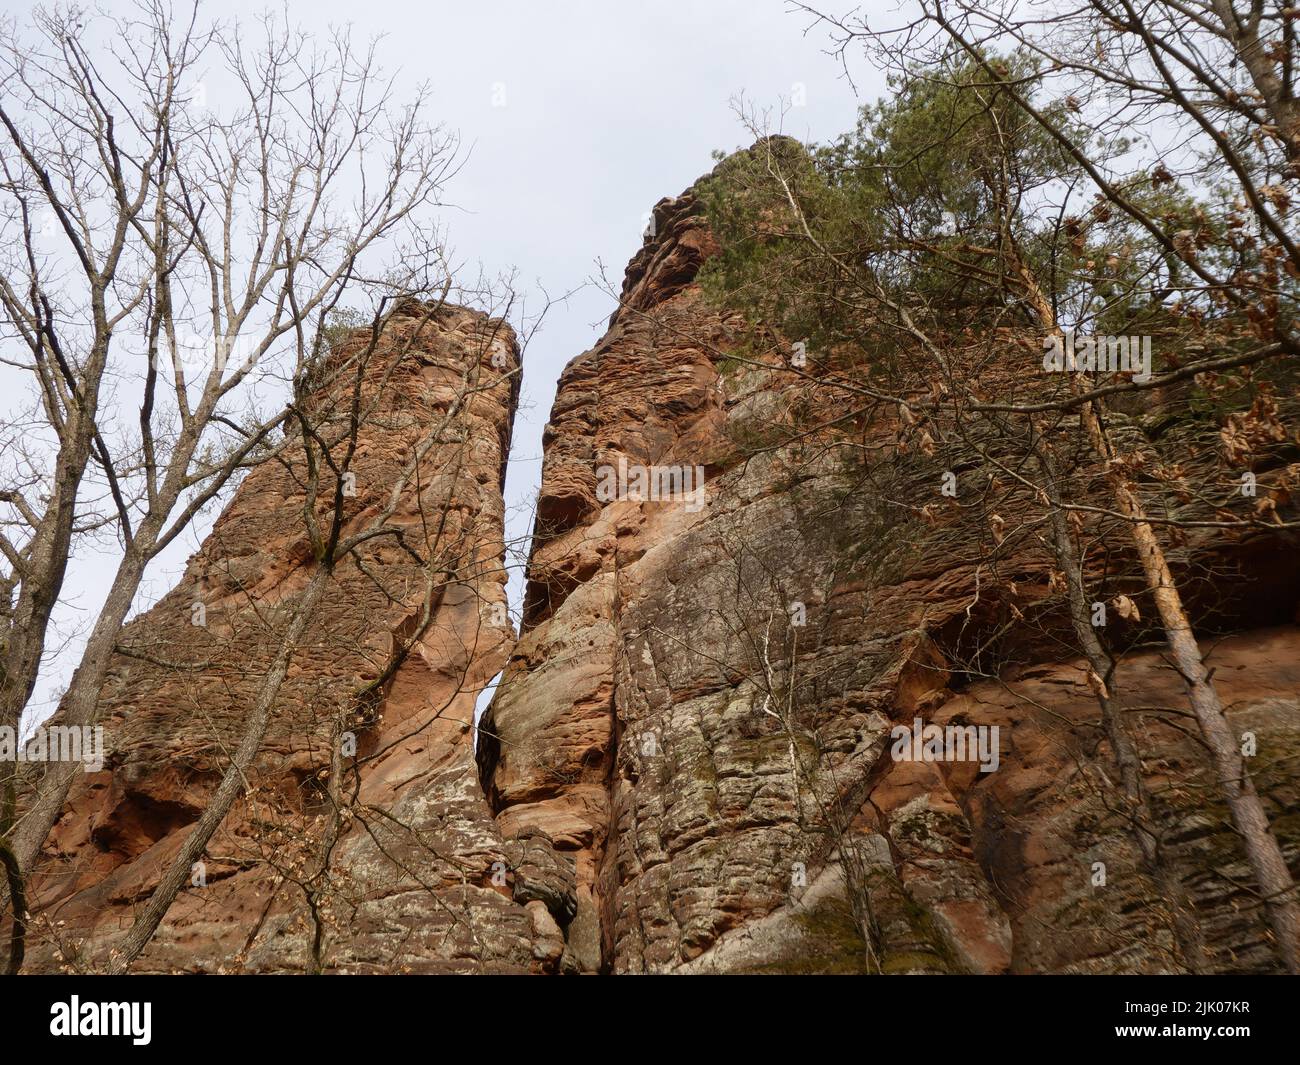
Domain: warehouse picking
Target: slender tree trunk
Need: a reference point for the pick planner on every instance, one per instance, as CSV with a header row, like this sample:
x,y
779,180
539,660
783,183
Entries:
x,y
80,705
1262,848
1186,930
178,873
41,584
79,708
23,837
14,881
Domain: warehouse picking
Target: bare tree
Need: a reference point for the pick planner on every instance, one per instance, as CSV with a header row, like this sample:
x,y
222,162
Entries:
x,y
183,212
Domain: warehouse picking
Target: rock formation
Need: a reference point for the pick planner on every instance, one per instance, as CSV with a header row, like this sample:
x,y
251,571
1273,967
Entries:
x,y
688,763
699,707
416,879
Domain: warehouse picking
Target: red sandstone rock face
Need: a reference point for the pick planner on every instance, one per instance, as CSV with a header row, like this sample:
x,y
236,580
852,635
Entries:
x,y
671,770
635,722
420,878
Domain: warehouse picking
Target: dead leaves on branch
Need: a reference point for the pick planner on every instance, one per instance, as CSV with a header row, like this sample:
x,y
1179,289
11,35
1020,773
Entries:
x,y
1246,433
1126,608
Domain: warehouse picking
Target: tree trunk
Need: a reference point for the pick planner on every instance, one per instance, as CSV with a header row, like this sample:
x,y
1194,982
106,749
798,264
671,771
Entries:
x,y
1262,848
1185,928
138,936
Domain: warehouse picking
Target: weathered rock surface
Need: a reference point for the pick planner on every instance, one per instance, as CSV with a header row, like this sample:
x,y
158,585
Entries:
x,y
419,877
706,762
688,764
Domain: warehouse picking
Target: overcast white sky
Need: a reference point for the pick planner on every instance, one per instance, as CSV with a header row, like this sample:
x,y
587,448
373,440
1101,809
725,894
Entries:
x,y
608,107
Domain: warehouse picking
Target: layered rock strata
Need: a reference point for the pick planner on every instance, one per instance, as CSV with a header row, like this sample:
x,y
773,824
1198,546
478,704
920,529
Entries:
x,y
402,868
699,708
690,764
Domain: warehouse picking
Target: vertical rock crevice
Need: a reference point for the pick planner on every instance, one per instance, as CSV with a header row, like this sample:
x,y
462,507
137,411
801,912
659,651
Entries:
x,y
416,876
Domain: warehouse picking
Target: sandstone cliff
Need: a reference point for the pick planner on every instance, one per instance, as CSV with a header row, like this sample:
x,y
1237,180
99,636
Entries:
x,y
414,878
707,762
687,766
